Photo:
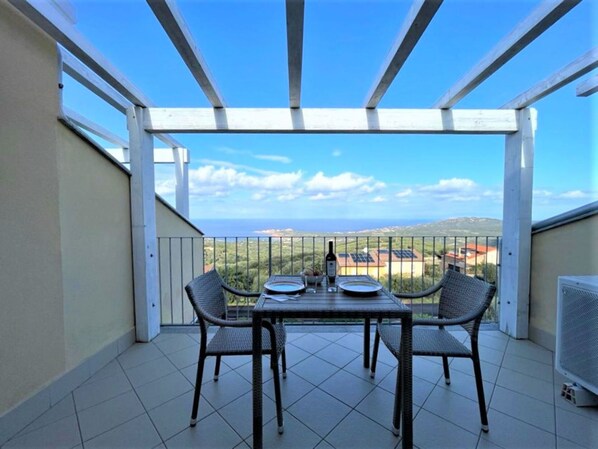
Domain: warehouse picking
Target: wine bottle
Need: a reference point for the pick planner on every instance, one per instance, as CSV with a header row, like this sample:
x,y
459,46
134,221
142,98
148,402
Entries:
x,y
330,264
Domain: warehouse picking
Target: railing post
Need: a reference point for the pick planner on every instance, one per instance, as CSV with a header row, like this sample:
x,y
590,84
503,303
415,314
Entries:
x,y
390,264
269,256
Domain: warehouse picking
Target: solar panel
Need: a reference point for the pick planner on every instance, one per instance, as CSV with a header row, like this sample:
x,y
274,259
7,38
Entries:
x,y
403,253
361,258
344,255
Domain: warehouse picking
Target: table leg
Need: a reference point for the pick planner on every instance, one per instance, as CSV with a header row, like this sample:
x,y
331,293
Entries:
x,y
407,381
366,343
257,383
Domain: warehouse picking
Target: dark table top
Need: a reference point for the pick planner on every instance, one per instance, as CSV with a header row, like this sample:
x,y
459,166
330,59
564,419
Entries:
x,y
324,304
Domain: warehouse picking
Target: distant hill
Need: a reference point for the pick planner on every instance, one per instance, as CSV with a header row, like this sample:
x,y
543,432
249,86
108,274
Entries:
x,y
464,226
454,227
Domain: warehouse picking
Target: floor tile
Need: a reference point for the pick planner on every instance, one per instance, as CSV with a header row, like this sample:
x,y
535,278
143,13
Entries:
x,y
356,368
64,408
529,350
187,356
353,342
421,388
162,390
314,370
236,361
379,406
139,353
509,432
229,387
347,388
528,367
110,369
295,355
424,369
203,436
100,418
465,385
63,433
267,373
455,408
530,386
338,355
319,411
491,341
562,443
311,343
176,343
489,370
431,431
138,433
149,371
576,428
357,431
174,416
92,394
238,412
523,407
293,388
296,435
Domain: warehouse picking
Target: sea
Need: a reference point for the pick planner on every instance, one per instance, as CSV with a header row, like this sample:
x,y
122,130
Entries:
x,y
269,226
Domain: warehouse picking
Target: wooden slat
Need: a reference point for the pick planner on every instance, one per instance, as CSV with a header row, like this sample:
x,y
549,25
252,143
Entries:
x,y
582,65
281,120
295,14
94,128
588,87
419,17
77,70
57,27
542,18
173,23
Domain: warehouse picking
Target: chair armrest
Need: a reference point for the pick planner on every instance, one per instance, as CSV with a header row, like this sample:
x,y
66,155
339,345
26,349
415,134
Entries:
x,y
228,323
421,294
234,291
448,321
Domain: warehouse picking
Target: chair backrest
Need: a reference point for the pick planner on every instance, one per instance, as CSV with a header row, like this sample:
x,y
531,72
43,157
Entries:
x,y
463,295
206,295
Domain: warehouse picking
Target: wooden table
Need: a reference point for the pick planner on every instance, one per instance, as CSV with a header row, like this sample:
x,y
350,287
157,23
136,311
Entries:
x,y
324,304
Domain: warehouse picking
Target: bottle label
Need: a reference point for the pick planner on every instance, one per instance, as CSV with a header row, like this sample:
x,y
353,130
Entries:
x,y
331,268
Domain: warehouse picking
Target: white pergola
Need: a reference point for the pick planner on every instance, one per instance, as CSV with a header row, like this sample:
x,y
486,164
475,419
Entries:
x,y
514,120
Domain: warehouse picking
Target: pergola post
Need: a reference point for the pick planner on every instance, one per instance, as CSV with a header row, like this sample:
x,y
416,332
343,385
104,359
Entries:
x,y
143,224
517,224
181,172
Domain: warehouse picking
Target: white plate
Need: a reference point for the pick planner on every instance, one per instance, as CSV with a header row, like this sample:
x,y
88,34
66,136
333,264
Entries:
x,y
289,286
360,287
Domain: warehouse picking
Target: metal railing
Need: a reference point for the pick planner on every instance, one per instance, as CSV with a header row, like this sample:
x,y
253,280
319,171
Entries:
x,y
401,264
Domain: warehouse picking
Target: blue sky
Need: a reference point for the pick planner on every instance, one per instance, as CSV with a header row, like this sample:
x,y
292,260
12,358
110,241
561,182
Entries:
x,y
345,44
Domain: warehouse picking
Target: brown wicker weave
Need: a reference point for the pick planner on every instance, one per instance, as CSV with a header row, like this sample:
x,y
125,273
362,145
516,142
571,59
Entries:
x,y
463,301
206,294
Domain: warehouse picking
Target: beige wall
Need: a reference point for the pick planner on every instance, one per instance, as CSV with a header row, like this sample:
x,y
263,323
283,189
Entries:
x,y
562,251
96,248
31,319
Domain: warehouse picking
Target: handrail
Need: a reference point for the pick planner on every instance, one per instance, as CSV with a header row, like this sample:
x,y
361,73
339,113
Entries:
x,y
568,217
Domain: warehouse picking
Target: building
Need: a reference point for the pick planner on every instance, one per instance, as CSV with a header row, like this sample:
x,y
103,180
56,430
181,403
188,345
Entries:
x,y
469,255
381,262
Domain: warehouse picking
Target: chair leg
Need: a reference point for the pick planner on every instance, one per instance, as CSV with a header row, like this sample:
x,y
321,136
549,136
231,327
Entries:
x,y
278,398
198,379
447,374
477,369
283,356
375,354
396,417
217,368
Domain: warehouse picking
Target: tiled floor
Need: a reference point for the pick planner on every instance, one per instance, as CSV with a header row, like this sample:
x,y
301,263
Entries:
x,y
143,400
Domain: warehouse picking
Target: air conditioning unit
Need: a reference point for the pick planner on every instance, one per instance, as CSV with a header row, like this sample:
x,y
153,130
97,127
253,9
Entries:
x,y
577,337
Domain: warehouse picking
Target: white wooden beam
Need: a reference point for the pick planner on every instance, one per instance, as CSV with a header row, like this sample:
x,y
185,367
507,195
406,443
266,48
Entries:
x,y
173,23
295,15
419,17
81,73
143,225
517,227
181,171
588,87
94,128
582,65
283,120
56,26
541,18
161,155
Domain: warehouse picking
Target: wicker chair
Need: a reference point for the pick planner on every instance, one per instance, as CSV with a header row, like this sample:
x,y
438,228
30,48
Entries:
x,y
463,301
206,294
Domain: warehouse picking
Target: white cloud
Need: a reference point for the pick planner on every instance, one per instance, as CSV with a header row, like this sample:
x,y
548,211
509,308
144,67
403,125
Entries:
x,y
379,199
345,182
273,158
454,189
404,193
573,195
337,153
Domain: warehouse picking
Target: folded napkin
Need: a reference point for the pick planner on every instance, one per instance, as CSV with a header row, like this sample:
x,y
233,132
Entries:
x,y
281,298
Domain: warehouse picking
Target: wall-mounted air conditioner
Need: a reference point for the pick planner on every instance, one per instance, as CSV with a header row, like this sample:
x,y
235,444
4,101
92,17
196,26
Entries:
x,y
577,337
